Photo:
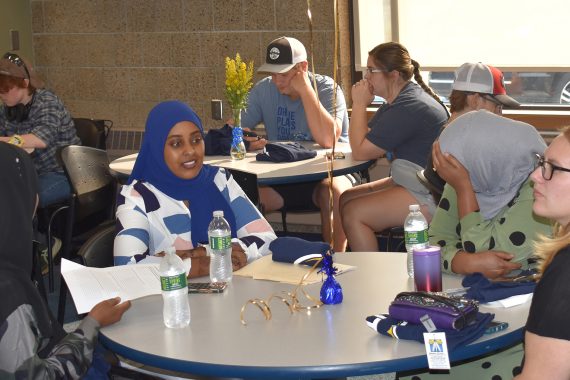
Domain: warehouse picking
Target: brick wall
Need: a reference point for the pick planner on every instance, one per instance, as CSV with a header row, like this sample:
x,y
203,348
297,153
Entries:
x,y
115,59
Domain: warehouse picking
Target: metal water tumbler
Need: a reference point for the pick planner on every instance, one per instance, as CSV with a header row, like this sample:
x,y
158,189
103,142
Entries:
x,y
427,269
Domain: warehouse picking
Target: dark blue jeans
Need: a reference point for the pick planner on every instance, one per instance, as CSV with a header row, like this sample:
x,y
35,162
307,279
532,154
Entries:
x,y
54,188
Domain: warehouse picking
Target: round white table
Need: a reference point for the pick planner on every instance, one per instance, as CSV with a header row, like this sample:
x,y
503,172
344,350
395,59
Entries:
x,y
333,341
271,173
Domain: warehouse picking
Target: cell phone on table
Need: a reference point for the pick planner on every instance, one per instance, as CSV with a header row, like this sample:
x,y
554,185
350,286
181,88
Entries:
x,y
495,326
206,287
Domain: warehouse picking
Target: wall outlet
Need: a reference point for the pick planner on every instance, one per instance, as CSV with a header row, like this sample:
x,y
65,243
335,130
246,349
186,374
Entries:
x,y
216,109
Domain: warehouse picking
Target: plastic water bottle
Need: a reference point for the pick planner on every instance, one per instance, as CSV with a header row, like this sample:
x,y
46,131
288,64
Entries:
x,y
416,234
220,237
176,309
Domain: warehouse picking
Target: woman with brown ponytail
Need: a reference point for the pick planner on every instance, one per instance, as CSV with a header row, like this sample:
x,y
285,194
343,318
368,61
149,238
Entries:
x,y
403,130
547,337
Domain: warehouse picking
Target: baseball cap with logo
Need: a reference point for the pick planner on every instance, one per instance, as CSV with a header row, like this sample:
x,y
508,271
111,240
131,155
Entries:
x,y
13,65
282,54
484,79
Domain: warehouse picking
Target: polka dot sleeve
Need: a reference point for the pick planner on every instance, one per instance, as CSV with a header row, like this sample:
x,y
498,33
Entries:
x,y
513,230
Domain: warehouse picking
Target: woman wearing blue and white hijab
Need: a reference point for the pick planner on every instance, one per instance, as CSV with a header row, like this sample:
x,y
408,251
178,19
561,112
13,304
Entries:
x,y
172,194
484,221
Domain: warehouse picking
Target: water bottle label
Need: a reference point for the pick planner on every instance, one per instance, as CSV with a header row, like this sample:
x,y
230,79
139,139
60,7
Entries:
x,y
416,237
220,242
168,283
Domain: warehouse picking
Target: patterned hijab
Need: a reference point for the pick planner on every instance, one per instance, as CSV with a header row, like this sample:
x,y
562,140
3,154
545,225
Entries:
x,y
201,192
18,196
499,154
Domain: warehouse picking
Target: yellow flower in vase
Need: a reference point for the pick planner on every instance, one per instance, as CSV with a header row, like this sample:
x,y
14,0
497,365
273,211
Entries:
x,y
239,77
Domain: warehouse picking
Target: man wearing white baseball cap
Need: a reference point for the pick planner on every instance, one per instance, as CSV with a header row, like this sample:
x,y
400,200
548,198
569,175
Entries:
x,y
287,103
288,106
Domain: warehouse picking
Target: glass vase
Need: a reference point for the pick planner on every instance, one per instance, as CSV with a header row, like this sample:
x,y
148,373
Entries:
x,y
237,150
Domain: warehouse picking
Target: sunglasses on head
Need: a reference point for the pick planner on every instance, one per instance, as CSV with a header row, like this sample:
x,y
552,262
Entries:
x,y
16,60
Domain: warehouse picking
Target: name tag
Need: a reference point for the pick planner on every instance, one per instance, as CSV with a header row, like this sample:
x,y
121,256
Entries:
x,y
436,350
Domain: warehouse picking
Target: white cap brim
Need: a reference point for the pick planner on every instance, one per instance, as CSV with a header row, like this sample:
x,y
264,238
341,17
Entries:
x,y
275,69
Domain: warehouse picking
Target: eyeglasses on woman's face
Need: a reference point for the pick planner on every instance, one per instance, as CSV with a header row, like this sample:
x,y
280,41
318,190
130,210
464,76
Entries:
x,y
372,70
548,168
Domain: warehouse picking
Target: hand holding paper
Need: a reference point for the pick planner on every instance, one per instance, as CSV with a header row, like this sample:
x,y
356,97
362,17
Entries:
x,y
89,286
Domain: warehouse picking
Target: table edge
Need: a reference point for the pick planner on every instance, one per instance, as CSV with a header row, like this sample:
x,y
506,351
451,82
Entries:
x,y
473,350
314,176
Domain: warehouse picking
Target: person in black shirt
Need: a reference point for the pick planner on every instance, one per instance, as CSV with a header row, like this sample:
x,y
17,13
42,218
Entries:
x,y
547,337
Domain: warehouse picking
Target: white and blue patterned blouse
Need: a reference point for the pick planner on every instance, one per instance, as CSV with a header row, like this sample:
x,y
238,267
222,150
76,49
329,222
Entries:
x,y
141,234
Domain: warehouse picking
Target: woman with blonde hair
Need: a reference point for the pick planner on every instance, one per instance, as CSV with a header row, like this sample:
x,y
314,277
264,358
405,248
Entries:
x,y
547,336
403,130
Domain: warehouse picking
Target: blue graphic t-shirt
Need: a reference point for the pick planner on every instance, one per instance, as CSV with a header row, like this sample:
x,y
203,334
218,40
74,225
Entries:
x,y
287,125
284,118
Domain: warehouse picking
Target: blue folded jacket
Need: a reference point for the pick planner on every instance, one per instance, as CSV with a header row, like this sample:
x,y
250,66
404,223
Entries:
x,y
483,290
285,152
298,251
386,325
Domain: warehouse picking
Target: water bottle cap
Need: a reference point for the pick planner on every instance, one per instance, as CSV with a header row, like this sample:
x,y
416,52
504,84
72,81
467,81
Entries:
x,y
219,213
414,208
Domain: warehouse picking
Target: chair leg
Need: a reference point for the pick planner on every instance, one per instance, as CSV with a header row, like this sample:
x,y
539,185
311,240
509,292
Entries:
x,y
66,243
365,175
49,247
284,219
61,302
37,277
65,253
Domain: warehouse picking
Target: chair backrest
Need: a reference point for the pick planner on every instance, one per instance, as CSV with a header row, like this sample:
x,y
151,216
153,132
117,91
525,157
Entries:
x,y
248,183
97,251
92,132
88,172
87,132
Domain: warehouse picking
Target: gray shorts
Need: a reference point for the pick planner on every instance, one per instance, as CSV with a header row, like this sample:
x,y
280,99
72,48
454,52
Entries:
x,y
403,173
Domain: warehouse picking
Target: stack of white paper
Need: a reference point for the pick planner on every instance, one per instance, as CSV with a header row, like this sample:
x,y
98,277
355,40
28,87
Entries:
x,y
89,286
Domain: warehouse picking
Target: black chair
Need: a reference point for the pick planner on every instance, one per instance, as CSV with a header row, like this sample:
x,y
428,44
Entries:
x,y
97,251
50,214
92,202
390,234
92,132
356,179
248,183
